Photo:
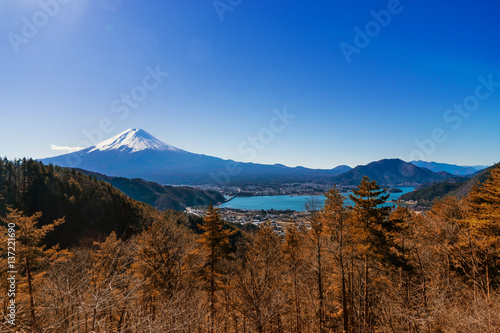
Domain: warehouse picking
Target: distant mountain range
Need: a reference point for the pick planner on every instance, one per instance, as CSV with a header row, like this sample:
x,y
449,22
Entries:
x,y
137,154
456,170
390,172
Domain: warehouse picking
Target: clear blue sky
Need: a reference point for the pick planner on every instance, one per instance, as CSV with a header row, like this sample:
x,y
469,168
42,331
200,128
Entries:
x,y
225,78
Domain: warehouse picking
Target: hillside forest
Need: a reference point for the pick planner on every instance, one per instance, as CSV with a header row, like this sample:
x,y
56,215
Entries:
x,y
90,259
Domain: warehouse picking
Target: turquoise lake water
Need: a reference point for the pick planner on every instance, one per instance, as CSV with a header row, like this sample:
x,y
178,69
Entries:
x,y
284,202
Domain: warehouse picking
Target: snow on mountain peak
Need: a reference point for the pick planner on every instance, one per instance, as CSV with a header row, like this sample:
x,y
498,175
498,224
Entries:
x,y
133,140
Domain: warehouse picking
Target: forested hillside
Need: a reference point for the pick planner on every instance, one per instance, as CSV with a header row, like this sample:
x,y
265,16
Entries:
x,y
90,207
390,172
365,268
459,187
159,196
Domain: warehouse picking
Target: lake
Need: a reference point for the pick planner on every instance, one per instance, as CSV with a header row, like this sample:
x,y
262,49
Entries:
x,y
294,202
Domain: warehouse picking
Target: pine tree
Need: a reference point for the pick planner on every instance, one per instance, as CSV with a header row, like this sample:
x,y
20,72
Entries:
x,y
369,232
215,247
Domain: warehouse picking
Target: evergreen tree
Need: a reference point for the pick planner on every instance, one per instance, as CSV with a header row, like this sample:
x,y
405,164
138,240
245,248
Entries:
x,y
215,247
369,233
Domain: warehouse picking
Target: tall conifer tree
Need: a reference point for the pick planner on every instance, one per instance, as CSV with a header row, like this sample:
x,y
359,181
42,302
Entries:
x,y
216,247
368,231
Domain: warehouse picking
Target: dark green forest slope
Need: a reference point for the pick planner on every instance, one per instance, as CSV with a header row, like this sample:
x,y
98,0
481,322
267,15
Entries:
x,y
90,207
159,196
459,187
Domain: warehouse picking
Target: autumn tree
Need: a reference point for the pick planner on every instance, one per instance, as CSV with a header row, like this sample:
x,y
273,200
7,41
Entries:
x,y
30,249
335,216
91,289
166,267
295,257
317,243
370,234
404,300
257,282
483,226
215,248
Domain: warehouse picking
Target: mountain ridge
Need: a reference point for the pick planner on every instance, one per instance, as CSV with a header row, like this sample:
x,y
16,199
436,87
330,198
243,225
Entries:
x,y
457,170
135,153
390,172
129,155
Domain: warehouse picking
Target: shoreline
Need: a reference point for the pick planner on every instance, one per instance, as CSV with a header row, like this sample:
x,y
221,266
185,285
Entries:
x,y
295,202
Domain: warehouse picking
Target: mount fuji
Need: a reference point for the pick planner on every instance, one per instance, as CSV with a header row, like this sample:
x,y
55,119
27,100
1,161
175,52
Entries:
x,y
132,141
137,154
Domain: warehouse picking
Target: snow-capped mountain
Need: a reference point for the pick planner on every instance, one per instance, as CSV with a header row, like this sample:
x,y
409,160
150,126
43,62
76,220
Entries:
x,y
132,141
137,154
